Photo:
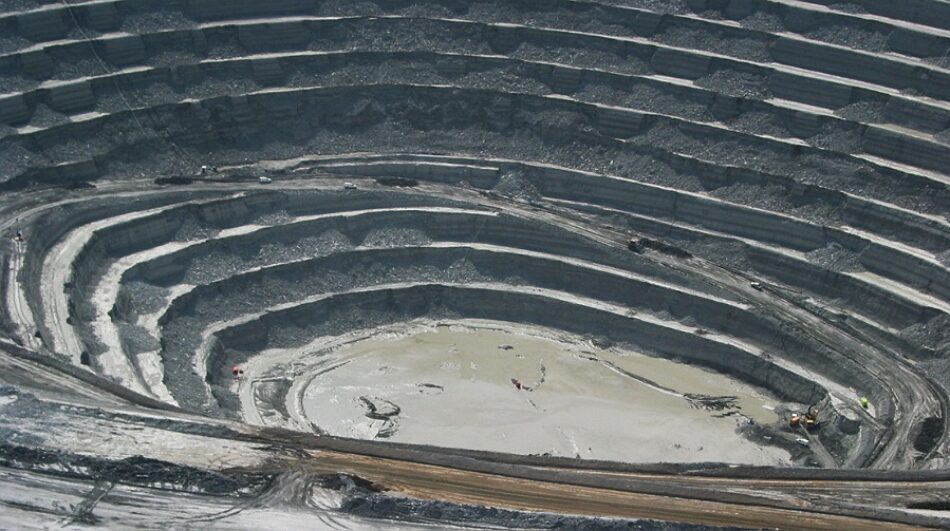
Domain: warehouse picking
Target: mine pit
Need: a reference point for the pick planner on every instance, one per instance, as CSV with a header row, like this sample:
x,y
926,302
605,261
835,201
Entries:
x,y
500,263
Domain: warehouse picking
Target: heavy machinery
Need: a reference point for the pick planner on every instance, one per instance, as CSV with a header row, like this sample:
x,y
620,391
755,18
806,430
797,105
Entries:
x,y
809,420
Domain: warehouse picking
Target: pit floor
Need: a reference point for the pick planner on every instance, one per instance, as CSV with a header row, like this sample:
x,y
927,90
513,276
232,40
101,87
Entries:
x,y
454,386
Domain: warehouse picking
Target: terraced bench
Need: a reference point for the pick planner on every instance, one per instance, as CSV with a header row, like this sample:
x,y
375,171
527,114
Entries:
x,y
758,187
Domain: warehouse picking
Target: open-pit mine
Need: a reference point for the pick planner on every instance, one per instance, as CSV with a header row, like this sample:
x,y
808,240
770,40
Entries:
x,y
597,264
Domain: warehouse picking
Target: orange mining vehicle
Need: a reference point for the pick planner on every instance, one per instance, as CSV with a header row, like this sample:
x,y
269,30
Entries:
x,y
808,420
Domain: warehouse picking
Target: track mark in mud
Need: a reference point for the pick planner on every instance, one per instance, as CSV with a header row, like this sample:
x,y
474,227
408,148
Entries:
x,y
382,410
386,412
430,389
623,372
519,385
727,404
83,511
332,368
712,403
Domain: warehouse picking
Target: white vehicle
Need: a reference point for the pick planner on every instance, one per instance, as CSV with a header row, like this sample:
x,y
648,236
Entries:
x,y
349,186
265,180
802,441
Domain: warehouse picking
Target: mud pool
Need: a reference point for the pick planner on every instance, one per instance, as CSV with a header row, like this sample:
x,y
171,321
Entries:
x,y
490,388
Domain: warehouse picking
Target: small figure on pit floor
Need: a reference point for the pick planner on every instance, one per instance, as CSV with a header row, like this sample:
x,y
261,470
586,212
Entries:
x,y
205,170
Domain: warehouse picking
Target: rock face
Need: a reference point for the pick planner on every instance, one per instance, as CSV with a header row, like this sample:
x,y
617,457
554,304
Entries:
x,y
199,195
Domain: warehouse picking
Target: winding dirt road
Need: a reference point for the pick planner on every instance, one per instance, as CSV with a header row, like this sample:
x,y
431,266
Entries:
x,y
465,487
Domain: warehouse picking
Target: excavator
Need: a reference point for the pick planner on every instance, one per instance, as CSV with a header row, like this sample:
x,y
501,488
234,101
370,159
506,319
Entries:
x,y
809,420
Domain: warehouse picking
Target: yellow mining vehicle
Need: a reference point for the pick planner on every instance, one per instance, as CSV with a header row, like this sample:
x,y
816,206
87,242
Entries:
x,y
809,420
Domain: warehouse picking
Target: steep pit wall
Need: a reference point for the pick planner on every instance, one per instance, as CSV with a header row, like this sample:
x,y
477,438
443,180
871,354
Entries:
x,y
188,222
296,282
49,228
629,196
